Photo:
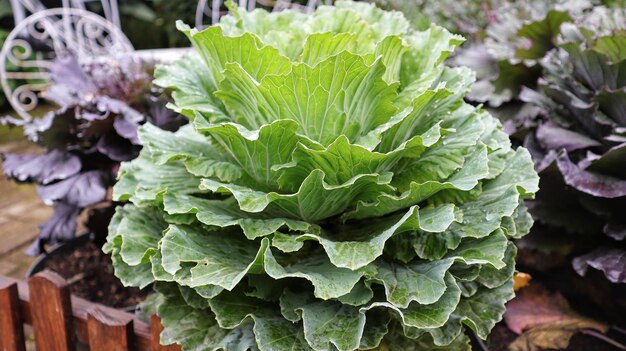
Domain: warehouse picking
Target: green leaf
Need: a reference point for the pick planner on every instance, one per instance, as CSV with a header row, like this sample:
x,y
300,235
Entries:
x,y
257,152
191,328
140,231
427,316
314,201
143,181
427,50
272,332
218,50
328,280
192,87
541,34
226,213
329,325
612,46
485,308
487,250
341,161
447,156
341,95
419,281
211,252
133,239
383,23
356,247
320,46
200,156
491,277
340,20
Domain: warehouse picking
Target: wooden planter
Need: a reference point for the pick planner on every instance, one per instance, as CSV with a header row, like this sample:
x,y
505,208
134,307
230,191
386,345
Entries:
x,y
60,320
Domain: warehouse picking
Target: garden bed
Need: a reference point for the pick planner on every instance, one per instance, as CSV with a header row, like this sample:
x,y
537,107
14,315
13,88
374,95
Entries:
x,y
89,272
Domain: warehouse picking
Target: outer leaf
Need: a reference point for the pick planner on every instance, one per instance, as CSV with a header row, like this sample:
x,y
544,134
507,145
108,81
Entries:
x,y
200,156
226,213
423,282
332,323
427,316
190,327
362,246
192,85
142,181
328,281
271,331
211,254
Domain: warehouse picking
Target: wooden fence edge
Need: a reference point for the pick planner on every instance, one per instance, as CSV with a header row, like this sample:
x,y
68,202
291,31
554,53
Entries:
x,y
46,299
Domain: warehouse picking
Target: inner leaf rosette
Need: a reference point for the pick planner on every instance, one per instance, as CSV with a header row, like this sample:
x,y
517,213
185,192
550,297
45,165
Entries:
x,y
333,191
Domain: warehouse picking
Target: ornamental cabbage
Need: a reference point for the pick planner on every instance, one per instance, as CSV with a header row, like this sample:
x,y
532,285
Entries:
x,y
333,191
518,37
100,107
578,140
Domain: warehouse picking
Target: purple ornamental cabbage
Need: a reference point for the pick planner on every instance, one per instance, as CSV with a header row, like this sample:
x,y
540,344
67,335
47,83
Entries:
x,y
578,140
101,104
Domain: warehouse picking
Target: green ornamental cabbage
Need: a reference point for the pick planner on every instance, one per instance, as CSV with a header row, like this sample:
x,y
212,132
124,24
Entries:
x,y
333,191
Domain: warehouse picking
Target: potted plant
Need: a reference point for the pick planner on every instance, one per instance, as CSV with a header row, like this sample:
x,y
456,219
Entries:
x,y
332,191
100,106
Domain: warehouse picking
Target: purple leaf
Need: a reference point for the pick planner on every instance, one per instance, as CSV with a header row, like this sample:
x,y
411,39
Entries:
x,y
54,165
81,190
127,129
163,117
61,95
53,129
612,262
105,103
553,137
610,163
66,71
117,148
541,158
613,104
616,231
591,183
59,227
91,116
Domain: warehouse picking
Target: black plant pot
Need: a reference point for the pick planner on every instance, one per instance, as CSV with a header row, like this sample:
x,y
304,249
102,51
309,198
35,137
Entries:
x,y
66,248
58,249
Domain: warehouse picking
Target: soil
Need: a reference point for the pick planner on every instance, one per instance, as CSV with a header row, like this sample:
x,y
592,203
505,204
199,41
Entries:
x,y
90,274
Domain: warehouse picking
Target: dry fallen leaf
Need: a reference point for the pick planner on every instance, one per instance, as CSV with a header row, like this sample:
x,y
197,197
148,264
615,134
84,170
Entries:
x,y
521,280
544,320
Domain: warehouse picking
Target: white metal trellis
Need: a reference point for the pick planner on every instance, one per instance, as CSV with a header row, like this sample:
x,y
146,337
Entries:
x,y
24,71
213,8
21,7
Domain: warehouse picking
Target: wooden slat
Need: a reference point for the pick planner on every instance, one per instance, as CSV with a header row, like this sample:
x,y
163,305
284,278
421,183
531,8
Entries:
x,y
11,323
145,339
81,308
156,328
107,332
51,310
